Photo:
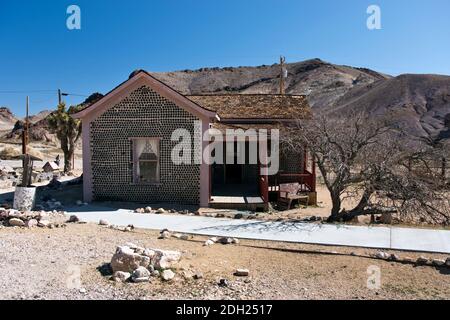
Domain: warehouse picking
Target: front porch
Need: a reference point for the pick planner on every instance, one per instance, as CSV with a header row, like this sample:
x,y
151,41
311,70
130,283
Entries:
x,y
244,187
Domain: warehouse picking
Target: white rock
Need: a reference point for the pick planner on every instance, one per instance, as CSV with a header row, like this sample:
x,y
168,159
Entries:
x,y
208,243
394,257
167,275
408,259
148,210
43,223
131,245
103,222
164,259
422,260
225,240
161,210
213,239
235,241
186,236
382,255
438,262
164,235
241,272
140,280
177,235
155,273
140,273
15,222
122,276
125,259
31,223
149,253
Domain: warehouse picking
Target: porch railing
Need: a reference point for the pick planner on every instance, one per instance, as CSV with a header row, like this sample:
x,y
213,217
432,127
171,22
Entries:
x,y
306,180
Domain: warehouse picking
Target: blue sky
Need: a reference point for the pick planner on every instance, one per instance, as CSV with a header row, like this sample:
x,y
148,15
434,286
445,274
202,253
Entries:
x,y
38,52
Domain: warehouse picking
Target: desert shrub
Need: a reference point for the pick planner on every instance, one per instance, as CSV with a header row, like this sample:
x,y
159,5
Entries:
x,y
9,153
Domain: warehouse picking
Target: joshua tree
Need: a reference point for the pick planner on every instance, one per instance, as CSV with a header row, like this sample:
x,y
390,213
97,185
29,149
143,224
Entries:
x,y
68,131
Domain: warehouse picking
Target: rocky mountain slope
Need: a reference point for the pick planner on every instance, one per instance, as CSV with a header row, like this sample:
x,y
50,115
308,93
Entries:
x,y
422,102
7,119
324,83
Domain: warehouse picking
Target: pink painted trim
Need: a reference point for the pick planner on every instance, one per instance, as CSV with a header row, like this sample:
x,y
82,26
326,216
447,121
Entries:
x,y
87,169
204,171
142,79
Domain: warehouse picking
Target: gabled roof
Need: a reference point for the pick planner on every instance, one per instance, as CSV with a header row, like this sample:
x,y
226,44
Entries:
x,y
51,164
239,107
255,106
137,79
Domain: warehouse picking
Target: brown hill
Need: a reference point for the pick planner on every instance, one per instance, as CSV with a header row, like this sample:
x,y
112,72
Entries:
x,y
421,101
7,119
323,82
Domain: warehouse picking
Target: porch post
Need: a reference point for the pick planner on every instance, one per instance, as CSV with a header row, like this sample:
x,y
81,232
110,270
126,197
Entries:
x,y
305,159
87,169
205,170
263,178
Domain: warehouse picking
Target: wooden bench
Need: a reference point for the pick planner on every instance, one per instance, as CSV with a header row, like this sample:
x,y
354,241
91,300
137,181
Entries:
x,y
288,193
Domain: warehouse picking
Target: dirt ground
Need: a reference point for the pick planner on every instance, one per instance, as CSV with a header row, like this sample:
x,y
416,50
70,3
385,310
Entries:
x,y
43,263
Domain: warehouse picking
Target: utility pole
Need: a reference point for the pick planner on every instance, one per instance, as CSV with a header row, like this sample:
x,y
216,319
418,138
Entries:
x,y
25,130
283,74
60,95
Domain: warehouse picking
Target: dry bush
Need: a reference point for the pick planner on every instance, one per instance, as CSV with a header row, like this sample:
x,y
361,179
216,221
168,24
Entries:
x,y
9,153
368,159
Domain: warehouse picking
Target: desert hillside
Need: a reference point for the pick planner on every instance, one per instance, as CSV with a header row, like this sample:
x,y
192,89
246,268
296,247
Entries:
x,y
324,83
422,101
7,119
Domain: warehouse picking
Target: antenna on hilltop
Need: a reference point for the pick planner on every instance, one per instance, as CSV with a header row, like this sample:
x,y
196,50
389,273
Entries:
x,y
283,74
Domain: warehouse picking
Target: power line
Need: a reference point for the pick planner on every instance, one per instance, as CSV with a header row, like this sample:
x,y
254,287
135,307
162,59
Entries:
x,y
28,91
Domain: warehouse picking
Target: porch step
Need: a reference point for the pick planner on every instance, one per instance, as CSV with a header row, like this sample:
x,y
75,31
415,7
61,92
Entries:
x,y
243,203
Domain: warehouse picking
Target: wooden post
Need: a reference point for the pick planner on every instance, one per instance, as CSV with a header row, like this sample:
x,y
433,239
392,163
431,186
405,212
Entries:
x,y
27,164
25,130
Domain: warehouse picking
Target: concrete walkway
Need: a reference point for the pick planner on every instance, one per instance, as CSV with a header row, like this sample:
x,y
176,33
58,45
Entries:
x,y
325,234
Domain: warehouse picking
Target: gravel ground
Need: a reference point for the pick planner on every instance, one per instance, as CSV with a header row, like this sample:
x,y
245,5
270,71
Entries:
x,y
42,263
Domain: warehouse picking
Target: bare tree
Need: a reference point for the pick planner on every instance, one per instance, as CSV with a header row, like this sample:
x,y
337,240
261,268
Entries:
x,y
366,158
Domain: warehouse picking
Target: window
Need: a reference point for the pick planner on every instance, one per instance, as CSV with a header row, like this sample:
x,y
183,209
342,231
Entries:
x,y
146,160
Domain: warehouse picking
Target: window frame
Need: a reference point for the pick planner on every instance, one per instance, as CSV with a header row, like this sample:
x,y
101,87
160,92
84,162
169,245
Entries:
x,y
135,162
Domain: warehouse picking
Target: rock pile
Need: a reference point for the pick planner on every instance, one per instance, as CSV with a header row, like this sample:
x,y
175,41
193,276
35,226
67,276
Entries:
x,y
128,228
138,264
50,205
422,261
28,219
222,240
166,234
